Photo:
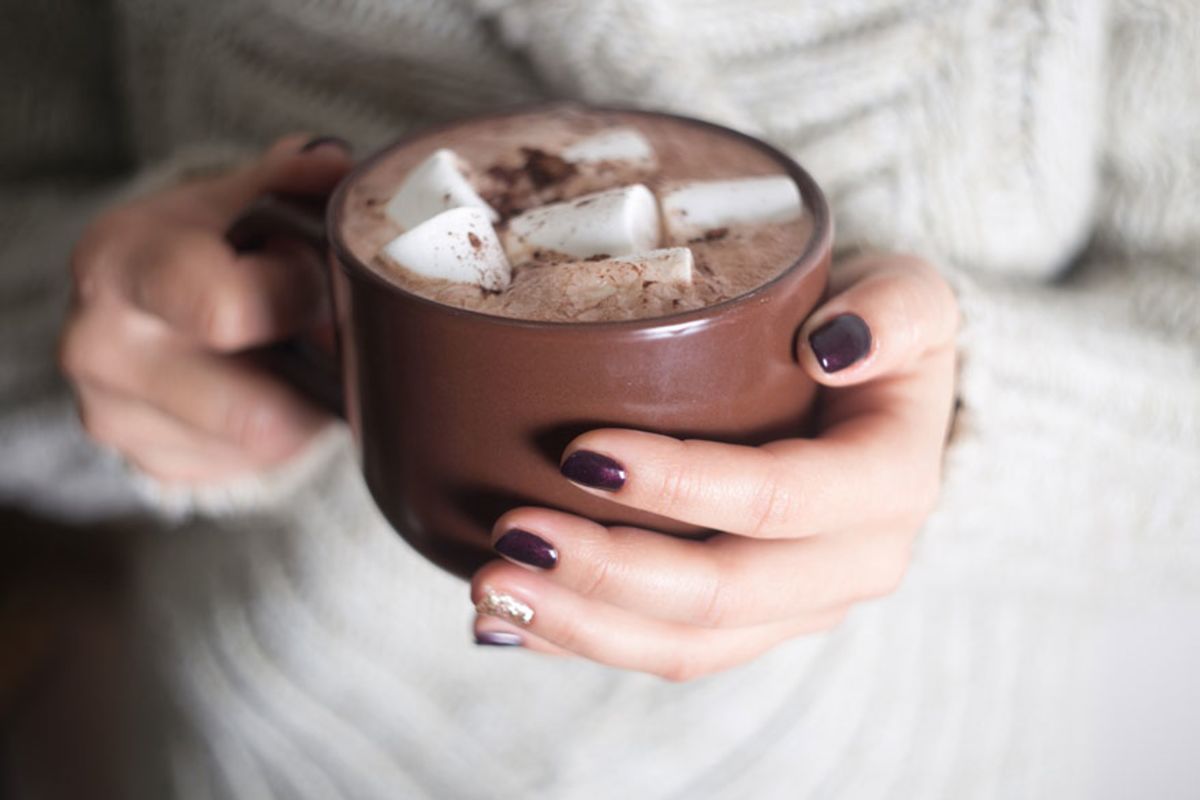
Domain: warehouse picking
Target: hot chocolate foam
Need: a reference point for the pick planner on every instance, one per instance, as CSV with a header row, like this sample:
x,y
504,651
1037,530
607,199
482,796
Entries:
x,y
529,161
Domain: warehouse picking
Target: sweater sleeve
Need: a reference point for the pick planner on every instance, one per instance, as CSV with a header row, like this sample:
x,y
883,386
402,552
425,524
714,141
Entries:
x,y
1082,393
63,158
61,154
1129,308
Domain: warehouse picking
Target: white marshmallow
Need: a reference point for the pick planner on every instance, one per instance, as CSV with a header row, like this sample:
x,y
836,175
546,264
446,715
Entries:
x,y
586,284
437,184
691,209
615,222
615,144
458,245
668,265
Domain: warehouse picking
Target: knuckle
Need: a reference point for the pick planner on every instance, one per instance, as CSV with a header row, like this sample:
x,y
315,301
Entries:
x,y
599,579
682,483
714,609
224,318
676,489
188,281
772,509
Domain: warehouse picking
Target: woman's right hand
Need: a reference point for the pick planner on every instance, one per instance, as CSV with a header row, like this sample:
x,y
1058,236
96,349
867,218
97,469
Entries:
x,y
163,307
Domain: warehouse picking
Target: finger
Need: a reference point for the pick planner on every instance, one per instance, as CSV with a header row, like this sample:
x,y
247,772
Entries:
x,y
237,403
872,470
494,632
190,468
157,444
726,581
878,457
287,167
230,400
892,311
226,397
619,638
203,290
127,424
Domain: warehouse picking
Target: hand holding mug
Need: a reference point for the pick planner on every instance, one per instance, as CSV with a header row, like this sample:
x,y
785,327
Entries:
x,y
808,527
163,308
460,415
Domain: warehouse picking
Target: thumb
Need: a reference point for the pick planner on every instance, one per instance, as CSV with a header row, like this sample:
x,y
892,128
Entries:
x,y
296,164
889,312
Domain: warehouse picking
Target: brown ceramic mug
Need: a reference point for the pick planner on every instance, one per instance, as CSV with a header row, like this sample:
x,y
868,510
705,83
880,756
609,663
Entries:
x,y
461,416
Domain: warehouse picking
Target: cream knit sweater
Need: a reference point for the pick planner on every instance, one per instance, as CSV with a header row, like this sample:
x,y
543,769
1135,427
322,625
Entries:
x,y
1046,152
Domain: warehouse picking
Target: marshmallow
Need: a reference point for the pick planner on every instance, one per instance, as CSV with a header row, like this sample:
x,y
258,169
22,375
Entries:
x,y
691,209
668,265
587,284
616,144
614,222
459,245
437,184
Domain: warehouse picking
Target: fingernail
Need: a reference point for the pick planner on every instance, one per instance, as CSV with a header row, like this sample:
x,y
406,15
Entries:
x,y
321,141
499,639
840,342
527,548
593,470
504,606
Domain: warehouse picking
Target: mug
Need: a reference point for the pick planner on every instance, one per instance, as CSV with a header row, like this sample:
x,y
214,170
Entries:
x,y
459,416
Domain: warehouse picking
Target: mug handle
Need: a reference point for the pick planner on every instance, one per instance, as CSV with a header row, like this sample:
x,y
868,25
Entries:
x,y
307,362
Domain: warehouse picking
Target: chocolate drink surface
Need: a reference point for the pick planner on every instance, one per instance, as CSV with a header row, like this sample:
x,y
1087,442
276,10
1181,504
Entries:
x,y
574,215
460,413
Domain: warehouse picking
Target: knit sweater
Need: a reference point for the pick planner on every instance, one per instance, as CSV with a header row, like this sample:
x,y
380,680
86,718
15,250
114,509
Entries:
x,y
1045,153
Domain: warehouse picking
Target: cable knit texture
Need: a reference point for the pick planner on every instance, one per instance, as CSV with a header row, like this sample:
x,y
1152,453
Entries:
x,y
1045,152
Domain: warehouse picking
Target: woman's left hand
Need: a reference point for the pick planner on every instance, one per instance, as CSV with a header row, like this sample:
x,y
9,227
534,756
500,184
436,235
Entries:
x,y
809,527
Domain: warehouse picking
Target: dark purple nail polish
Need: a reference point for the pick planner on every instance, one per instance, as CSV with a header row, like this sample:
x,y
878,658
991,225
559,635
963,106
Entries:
x,y
840,342
593,470
321,141
527,548
499,639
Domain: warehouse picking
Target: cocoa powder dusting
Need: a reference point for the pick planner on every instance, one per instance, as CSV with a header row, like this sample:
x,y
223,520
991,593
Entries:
x,y
517,168
545,169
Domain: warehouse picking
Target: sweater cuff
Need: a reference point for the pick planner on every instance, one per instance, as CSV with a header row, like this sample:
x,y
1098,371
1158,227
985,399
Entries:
x,y
331,451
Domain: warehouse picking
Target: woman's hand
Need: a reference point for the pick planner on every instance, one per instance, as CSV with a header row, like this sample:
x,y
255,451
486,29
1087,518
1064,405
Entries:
x,y
810,527
163,305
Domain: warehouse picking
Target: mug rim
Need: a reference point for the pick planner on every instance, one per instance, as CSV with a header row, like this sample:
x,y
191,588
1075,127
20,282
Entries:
x,y
819,242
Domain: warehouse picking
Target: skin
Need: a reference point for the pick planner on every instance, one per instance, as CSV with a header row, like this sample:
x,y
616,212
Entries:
x,y
162,307
809,527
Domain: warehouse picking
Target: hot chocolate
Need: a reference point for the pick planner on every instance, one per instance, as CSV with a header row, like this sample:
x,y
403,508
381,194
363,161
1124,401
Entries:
x,y
574,215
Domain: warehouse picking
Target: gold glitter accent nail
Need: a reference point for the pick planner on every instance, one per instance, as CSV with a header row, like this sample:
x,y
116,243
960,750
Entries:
x,y
504,606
